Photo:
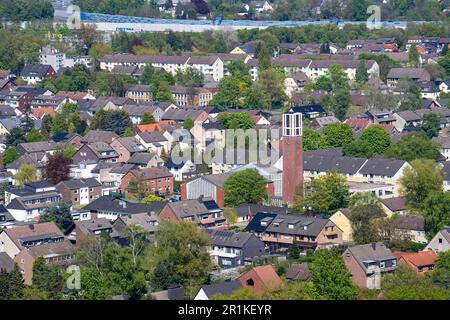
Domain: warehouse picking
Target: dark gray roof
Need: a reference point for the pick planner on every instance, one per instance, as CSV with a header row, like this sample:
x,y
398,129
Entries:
x,y
141,158
110,204
398,73
81,183
446,170
370,252
382,167
326,163
252,209
99,135
123,168
151,137
395,204
409,222
298,271
35,70
229,238
307,226
6,263
225,288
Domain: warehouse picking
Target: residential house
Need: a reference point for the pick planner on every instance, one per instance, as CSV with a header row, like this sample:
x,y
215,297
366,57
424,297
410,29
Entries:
x,y
14,240
80,191
6,219
149,221
18,100
415,74
146,160
37,147
321,122
405,119
246,212
421,262
58,253
208,132
230,249
280,231
309,111
444,143
126,147
156,180
154,142
138,92
197,97
95,151
112,208
410,227
202,211
366,263
136,112
210,66
34,73
99,136
341,219
31,205
181,171
248,48
86,228
294,82
182,114
298,272
440,242
226,288
261,279
391,206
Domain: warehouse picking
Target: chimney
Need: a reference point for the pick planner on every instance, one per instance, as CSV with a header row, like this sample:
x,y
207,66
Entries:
x,y
31,226
200,199
374,246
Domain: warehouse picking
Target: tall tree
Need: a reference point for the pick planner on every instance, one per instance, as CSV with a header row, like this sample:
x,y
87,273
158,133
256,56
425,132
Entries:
x,y
441,272
26,173
362,75
10,155
421,179
47,277
330,277
413,146
337,135
246,186
326,194
431,124
57,168
413,56
147,118
436,208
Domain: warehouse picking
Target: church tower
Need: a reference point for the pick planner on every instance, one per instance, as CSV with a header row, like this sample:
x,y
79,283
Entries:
x,y
292,154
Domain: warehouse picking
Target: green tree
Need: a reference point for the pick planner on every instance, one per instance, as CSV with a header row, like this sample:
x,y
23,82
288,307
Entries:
x,y
15,137
294,252
26,173
431,124
246,186
264,62
230,92
181,253
312,139
421,179
361,219
236,120
34,136
10,155
337,135
373,141
147,118
435,209
441,272
444,62
114,120
339,100
411,98
405,284
188,124
413,56
326,194
413,146
240,294
189,78
161,91
47,277
330,277
361,73
11,284
147,74
358,10
97,51
59,214
323,83
270,86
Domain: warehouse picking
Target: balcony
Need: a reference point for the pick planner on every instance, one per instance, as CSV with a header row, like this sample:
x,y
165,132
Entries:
x,y
208,220
329,233
277,239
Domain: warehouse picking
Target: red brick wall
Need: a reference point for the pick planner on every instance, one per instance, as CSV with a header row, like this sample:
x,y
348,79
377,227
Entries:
x,y
167,214
292,166
219,197
258,287
270,189
358,274
183,191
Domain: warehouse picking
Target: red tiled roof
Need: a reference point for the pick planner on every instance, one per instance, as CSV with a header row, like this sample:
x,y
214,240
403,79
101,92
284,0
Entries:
x,y
418,259
40,112
357,123
17,233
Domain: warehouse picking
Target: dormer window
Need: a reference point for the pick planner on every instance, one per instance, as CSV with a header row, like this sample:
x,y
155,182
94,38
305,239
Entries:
x,y
382,264
290,226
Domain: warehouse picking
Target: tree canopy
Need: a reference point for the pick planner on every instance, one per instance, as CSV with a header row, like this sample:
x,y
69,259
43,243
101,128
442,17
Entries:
x,y
246,186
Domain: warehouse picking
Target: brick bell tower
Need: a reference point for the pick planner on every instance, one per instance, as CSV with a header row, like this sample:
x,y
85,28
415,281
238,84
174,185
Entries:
x,y
292,154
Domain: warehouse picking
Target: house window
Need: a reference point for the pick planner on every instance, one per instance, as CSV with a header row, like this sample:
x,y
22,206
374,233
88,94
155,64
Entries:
x,y
420,269
440,240
382,264
250,282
